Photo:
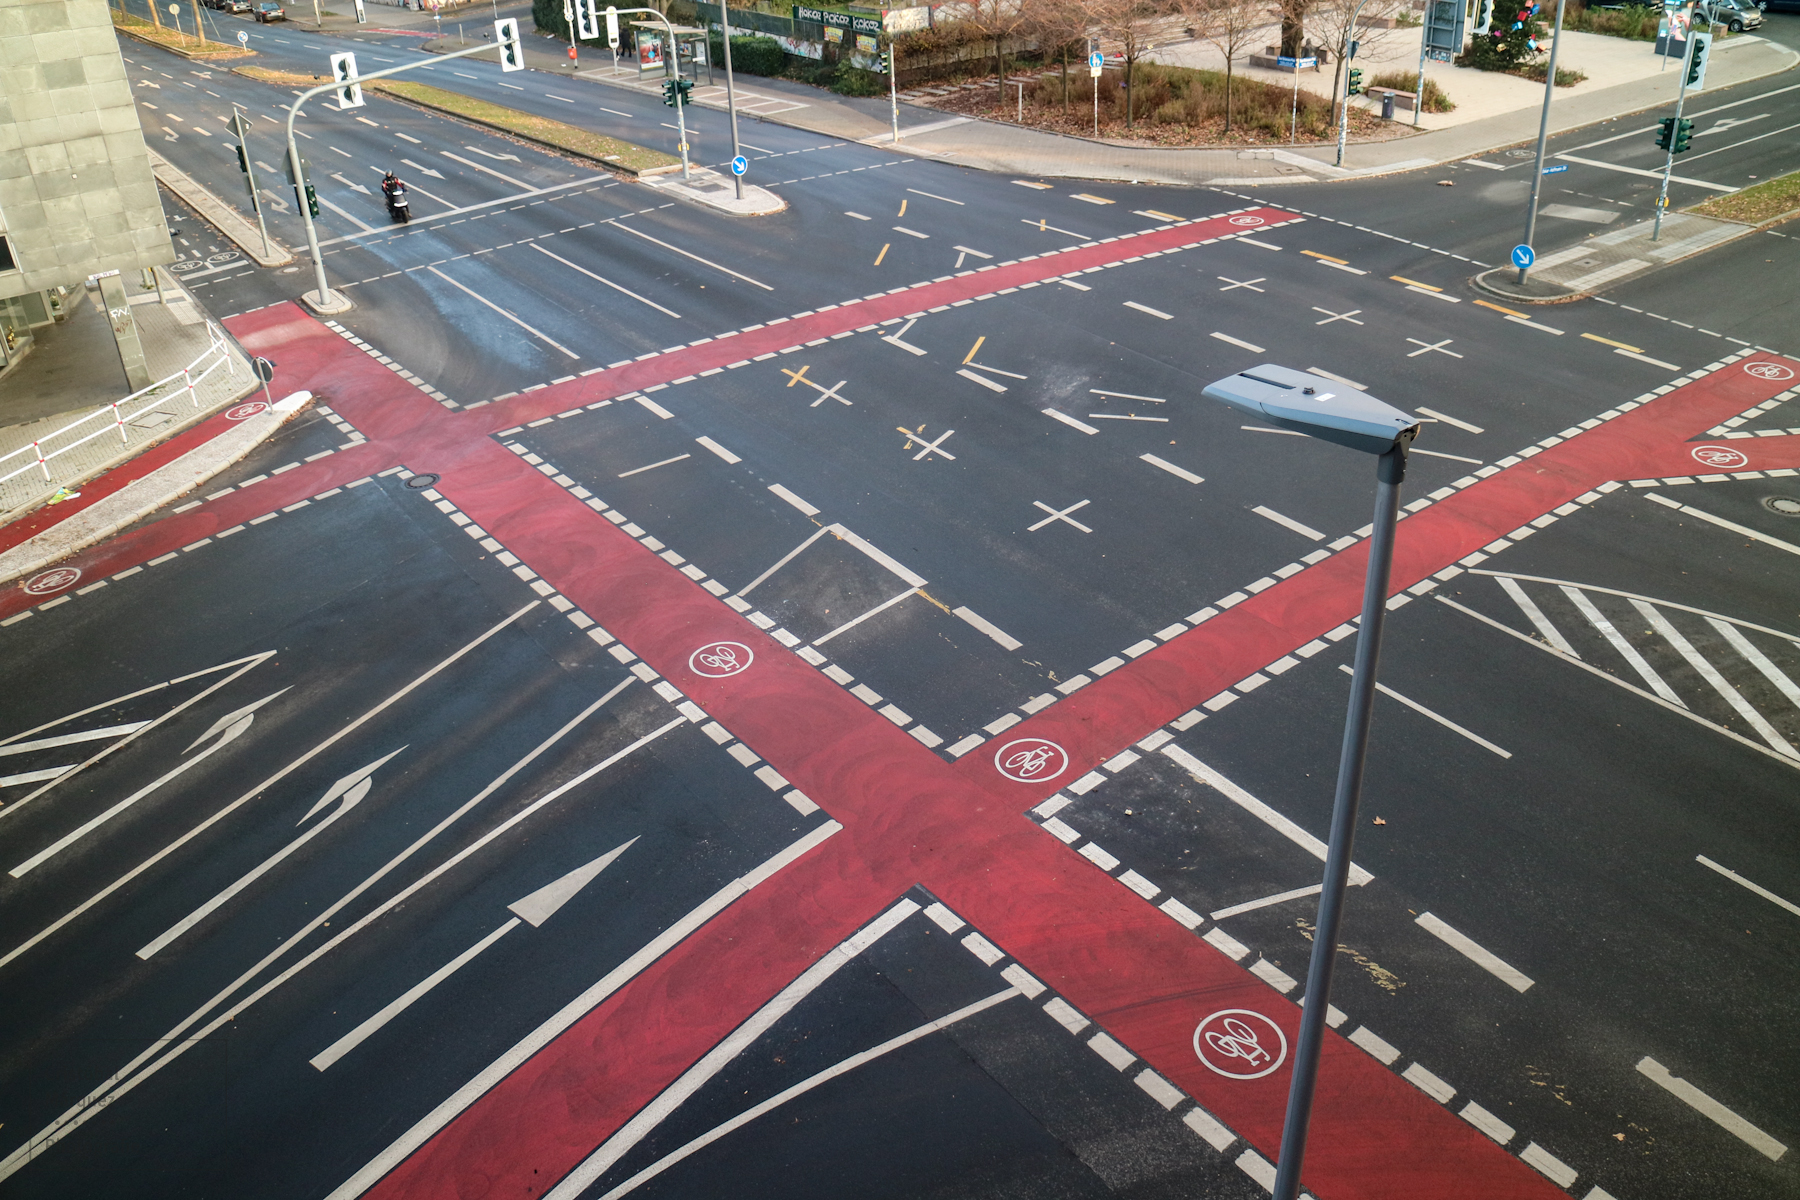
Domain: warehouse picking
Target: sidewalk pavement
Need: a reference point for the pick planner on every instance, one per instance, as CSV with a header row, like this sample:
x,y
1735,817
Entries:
x,y
75,372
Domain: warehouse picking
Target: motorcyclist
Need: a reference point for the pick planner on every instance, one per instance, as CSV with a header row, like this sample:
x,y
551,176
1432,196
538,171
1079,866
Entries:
x,y
394,189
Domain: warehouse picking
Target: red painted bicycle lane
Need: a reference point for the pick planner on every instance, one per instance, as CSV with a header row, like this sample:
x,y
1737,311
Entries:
x,y
907,818
718,353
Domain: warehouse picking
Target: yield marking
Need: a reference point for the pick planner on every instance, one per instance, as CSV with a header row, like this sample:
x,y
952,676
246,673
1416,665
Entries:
x,y
1333,316
716,660
1248,283
1707,1107
934,447
1145,308
1239,1043
1028,760
1060,515
1426,348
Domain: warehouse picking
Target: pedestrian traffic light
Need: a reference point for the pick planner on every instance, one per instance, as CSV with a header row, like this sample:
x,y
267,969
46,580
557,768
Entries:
x,y
349,91
1355,88
243,159
1684,133
1667,136
506,36
312,201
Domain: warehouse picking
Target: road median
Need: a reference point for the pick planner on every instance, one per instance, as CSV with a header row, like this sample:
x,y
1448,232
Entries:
x,y
555,135
1761,204
184,44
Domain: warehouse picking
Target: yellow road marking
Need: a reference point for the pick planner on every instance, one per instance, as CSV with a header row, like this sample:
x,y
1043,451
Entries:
x,y
798,376
1594,337
970,356
902,207
1414,283
883,254
1509,312
1342,262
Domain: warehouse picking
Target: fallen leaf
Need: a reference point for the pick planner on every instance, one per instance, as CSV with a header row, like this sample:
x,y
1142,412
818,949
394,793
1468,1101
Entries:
x,y
1446,183
1381,820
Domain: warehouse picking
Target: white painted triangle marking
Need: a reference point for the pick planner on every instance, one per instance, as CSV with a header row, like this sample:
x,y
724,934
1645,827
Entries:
x,y
542,904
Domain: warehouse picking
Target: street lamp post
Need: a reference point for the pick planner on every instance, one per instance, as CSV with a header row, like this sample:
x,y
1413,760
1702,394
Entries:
x,y
1294,400
730,95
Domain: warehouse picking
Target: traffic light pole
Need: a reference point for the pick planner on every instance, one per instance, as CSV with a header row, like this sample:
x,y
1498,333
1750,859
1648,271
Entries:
x,y
1681,87
241,126
1344,116
675,62
1537,174
327,300
730,96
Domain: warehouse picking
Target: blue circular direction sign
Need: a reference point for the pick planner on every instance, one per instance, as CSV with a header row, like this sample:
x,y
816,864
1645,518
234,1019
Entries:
x,y
1523,256
739,165
1095,60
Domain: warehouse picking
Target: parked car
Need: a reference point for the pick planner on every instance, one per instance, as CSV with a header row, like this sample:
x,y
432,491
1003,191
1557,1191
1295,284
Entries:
x,y
234,6
269,11
1735,15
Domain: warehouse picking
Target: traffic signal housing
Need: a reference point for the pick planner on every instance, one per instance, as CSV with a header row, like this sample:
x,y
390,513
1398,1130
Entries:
x,y
675,91
1675,135
1696,71
1355,88
1684,133
349,91
506,37
312,201
243,159
1667,135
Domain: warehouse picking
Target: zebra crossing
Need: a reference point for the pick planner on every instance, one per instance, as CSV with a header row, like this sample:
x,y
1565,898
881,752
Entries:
x,y
1730,672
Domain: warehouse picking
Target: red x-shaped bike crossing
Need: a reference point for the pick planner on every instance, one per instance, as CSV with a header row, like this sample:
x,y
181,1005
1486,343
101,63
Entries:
x,y
909,816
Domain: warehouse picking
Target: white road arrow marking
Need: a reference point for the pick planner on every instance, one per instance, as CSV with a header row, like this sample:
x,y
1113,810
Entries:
x,y
542,904
355,187
495,157
422,170
230,727
350,790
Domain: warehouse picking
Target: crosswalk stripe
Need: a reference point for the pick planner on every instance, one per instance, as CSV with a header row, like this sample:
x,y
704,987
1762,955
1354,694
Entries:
x,y
1711,674
1625,648
1536,616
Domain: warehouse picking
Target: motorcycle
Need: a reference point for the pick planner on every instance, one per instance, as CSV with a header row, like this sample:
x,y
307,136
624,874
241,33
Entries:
x,y
397,205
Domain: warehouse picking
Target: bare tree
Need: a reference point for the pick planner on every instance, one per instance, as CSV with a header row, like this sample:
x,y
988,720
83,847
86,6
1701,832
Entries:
x,y
999,21
1129,25
1060,28
1229,25
1337,23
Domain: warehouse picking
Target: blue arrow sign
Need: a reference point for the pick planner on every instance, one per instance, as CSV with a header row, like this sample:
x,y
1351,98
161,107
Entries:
x,y
1558,169
739,165
1523,256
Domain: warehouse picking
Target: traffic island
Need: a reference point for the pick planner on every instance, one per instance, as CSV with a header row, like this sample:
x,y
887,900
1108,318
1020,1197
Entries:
x,y
184,44
1610,258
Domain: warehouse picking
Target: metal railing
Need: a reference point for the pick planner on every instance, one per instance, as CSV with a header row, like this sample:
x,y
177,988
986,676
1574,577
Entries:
x,y
118,414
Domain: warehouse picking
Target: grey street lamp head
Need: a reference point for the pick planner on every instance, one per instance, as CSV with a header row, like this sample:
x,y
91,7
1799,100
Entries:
x,y
1317,407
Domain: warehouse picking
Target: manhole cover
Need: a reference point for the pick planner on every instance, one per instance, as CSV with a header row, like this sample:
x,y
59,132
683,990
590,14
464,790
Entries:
x,y
420,482
1588,262
1787,506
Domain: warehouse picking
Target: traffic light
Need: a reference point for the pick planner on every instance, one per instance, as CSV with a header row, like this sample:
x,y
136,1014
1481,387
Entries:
x,y
683,87
586,24
1355,88
1667,136
1696,72
669,92
1684,133
506,36
675,91
312,201
349,91
243,159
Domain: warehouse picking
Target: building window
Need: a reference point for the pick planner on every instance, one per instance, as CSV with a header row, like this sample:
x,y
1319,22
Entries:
x,y
6,255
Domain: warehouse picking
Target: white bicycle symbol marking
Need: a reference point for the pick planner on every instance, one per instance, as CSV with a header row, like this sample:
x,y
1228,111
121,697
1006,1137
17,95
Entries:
x,y
1029,760
715,660
1768,370
1235,1036
1246,220
1720,456
52,581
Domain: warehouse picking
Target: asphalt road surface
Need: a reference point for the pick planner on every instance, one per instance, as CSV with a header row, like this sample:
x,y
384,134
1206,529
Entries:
x,y
868,729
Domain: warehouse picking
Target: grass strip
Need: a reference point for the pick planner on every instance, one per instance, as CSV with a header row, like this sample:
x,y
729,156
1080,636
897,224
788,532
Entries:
x,y
1757,204
291,78
624,156
169,39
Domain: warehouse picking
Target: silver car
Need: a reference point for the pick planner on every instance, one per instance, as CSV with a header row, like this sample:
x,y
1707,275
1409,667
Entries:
x,y
1735,15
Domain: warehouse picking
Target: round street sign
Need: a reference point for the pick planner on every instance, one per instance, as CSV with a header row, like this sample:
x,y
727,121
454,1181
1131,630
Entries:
x,y
739,165
243,38
1523,256
1095,60
265,370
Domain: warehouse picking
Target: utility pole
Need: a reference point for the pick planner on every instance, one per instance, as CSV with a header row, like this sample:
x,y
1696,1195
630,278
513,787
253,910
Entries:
x,y
1537,173
1681,88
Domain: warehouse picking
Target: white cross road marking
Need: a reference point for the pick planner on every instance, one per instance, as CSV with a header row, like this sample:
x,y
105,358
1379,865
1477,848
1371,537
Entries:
x,y
1332,316
1062,515
1425,348
829,393
928,447
1248,283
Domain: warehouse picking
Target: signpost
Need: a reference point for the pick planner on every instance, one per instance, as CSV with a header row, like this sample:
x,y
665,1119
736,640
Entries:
x,y
240,125
1523,256
1095,62
739,165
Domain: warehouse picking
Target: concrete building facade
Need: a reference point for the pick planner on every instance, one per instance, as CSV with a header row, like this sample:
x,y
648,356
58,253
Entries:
x,y
76,194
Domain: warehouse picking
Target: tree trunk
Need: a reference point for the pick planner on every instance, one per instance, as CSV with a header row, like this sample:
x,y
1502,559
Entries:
x,y
155,17
199,27
1065,74
1129,63
999,71
1228,93
1293,28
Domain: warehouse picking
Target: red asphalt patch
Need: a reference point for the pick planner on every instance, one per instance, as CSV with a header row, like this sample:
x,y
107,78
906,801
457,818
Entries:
x,y
909,816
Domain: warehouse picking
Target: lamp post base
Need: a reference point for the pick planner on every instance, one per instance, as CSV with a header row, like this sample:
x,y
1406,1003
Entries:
x,y
330,305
